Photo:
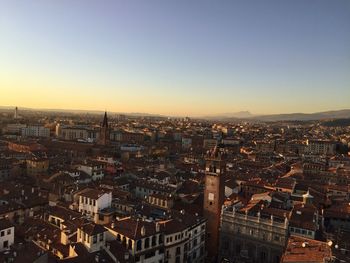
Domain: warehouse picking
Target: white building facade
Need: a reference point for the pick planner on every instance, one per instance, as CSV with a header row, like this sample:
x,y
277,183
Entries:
x,y
7,234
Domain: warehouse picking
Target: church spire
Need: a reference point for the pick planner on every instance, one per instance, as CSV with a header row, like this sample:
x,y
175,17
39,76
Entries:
x,y
104,131
105,120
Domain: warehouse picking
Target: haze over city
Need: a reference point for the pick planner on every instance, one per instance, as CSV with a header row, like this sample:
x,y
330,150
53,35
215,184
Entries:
x,y
188,58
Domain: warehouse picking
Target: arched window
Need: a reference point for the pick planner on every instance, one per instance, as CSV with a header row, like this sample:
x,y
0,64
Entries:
x,y
130,244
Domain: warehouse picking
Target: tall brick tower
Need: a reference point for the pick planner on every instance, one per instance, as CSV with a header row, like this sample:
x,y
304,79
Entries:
x,y
214,197
104,132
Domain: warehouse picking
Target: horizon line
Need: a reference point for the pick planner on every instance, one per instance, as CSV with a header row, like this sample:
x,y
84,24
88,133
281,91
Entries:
x,y
204,115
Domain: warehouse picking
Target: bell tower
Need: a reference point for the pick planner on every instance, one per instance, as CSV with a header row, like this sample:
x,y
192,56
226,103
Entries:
x,y
214,197
104,131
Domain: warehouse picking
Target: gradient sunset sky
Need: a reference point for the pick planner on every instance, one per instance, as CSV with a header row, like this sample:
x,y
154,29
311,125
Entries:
x,y
187,57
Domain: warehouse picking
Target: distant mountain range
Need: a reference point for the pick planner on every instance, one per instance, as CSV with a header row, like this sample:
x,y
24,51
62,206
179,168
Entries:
x,y
241,115
338,114
246,115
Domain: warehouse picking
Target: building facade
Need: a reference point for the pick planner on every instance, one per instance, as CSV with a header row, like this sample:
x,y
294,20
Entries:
x,y
247,238
7,234
35,131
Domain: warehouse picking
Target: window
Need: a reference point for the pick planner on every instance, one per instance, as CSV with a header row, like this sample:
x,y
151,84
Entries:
x,y
94,239
238,249
226,244
178,251
101,237
154,241
9,231
195,242
147,242
138,246
2,233
160,239
6,244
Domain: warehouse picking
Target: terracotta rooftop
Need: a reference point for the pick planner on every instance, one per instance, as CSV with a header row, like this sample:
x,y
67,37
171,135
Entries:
x,y
306,250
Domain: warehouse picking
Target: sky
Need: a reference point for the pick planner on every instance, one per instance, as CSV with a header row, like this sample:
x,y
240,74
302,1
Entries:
x,y
183,57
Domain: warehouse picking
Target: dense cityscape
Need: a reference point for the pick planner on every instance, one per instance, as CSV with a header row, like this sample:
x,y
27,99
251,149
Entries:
x,y
177,131
118,188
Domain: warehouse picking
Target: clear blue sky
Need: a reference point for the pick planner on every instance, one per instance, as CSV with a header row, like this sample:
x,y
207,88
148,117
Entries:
x,y
187,57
